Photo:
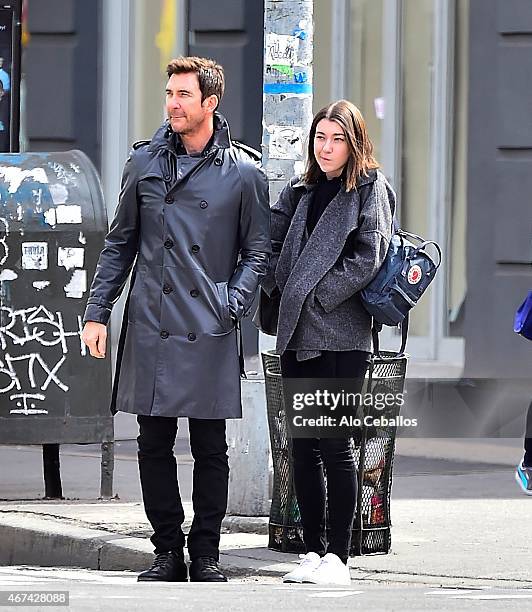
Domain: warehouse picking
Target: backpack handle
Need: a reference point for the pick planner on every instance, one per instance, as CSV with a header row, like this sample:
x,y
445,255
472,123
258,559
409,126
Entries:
x,y
424,243
421,248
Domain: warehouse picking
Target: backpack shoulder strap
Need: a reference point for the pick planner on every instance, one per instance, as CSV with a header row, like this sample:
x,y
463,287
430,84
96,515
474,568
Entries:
x,y
377,327
404,334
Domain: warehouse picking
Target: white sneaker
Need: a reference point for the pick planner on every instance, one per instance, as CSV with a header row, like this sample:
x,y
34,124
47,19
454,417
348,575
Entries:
x,y
307,565
331,570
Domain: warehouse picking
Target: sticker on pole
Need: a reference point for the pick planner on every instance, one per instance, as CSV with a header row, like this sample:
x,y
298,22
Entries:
x,y
286,142
34,256
281,50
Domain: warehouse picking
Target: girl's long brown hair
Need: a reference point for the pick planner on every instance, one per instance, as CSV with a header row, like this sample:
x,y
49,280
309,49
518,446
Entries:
x,y
361,158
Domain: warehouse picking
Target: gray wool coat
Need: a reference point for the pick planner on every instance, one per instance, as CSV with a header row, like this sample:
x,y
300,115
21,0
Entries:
x,y
320,277
197,245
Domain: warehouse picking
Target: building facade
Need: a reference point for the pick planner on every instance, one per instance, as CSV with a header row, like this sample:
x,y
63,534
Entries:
x,y
438,81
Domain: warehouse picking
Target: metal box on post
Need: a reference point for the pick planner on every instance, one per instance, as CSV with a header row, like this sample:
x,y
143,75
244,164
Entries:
x,y
52,226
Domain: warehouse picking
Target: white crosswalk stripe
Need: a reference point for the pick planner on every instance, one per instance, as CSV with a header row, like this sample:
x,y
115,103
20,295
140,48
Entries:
x,y
451,591
485,593
495,596
32,575
335,594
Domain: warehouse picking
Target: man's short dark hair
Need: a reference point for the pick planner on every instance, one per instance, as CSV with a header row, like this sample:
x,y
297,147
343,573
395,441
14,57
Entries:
x,y
210,74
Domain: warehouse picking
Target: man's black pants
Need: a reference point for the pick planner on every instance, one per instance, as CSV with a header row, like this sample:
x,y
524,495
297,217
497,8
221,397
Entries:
x,y
160,489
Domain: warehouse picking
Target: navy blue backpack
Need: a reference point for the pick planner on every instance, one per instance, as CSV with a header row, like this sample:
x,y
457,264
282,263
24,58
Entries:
x,y
404,276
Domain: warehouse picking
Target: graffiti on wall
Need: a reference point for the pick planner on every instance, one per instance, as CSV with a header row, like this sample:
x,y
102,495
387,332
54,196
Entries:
x,y
26,377
44,272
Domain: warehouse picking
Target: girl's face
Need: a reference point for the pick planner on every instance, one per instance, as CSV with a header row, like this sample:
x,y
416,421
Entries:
x,y
330,147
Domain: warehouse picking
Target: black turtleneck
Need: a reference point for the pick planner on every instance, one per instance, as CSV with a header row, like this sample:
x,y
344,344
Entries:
x,y
324,192
179,148
184,162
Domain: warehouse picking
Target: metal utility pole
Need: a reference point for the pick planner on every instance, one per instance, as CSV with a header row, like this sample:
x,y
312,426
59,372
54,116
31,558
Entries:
x,y
288,93
287,100
286,119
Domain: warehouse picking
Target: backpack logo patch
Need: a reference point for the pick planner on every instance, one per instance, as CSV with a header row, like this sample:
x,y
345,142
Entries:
x,y
414,275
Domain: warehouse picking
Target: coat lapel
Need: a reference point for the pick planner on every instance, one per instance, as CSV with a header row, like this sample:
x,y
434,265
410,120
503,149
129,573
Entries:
x,y
309,263
163,144
292,242
296,232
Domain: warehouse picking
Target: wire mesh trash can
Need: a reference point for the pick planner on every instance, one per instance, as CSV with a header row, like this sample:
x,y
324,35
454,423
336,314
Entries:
x,y
373,448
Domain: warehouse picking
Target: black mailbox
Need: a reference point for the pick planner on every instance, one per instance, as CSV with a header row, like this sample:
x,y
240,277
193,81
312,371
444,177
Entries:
x,y
52,226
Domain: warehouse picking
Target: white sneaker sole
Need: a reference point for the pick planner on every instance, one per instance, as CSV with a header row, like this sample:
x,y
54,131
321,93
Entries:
x,y
329,583
291,580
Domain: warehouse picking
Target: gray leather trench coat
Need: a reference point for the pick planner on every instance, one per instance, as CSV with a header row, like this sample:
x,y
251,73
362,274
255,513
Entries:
x,y
198,246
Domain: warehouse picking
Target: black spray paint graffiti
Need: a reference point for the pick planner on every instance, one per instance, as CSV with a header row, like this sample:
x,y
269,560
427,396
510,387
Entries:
x,y
22,377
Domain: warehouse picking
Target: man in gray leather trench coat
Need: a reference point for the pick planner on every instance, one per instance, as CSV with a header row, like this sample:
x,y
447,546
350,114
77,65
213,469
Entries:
x,y
192,224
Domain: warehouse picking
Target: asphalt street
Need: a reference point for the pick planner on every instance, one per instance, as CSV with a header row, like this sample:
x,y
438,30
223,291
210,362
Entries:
x,y
91,591
452,471
468,469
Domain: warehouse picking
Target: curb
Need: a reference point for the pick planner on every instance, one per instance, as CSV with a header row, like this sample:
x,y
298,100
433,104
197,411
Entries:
x,y
245,524
42,545
53,543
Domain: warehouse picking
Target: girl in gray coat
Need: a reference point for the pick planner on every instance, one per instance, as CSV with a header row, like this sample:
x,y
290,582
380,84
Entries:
x,y
330,232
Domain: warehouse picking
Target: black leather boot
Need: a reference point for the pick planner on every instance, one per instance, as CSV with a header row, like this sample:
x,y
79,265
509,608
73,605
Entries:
x,y
206,569
167,567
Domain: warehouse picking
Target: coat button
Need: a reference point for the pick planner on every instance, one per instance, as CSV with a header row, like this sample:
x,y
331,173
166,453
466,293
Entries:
x,y
218,162
192,337
195,248
164,334
203,204
168,244
194,293
169,199
167,289
167,178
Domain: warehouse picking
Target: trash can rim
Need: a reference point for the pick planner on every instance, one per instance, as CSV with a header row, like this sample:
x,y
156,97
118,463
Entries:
x,y
375,358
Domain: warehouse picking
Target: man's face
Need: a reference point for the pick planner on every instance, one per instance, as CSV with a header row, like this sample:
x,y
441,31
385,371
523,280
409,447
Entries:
x,y
185,110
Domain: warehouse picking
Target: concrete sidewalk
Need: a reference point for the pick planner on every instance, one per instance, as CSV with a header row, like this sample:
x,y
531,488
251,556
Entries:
x,y
450,542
